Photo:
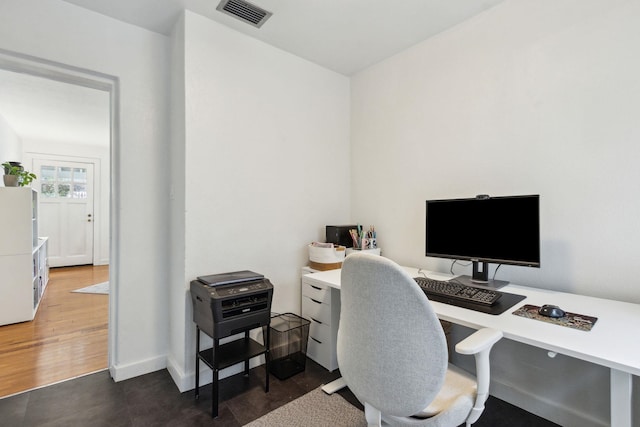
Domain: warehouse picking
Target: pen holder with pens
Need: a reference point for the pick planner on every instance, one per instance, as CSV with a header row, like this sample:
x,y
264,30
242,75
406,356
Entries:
x,y
364,241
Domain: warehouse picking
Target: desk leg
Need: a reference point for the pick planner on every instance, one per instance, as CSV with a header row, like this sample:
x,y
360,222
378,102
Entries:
x,y
621,388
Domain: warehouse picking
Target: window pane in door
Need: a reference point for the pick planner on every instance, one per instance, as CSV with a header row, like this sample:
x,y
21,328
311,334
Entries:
x,y
47,173
64,174
79,175
64,190
47,190
79,191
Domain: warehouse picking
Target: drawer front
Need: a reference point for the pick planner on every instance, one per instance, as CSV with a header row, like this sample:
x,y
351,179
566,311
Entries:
x,y
316,292
320,333
319,347
316,311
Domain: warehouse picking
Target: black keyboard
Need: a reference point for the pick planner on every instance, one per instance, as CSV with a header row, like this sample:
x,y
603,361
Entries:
x,y
457,291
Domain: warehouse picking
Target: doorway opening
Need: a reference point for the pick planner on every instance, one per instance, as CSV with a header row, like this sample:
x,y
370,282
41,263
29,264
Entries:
x,y
92,252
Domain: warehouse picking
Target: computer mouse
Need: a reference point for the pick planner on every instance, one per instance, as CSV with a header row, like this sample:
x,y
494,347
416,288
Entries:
x,y
551,311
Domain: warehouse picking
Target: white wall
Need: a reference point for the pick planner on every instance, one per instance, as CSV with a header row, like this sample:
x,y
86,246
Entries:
x,y
58,32
178,329
527,98
266,164
10,144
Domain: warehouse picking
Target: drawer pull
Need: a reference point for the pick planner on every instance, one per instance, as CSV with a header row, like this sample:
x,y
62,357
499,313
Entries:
x,y
319,342
316,287
317,302
317,321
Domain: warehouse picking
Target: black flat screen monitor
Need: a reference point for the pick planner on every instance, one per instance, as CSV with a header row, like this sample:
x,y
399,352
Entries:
x,y
501,230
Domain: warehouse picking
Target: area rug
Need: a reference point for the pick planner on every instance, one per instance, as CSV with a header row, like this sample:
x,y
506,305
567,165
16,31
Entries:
x,y
314,409
100,288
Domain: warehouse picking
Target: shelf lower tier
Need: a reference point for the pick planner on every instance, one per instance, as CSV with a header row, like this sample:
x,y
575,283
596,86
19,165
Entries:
x,y
233,352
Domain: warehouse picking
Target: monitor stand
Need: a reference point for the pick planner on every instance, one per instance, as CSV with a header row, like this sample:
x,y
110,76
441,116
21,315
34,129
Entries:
x,y
480,277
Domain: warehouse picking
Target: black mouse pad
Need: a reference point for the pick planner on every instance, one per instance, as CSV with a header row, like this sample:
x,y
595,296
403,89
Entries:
x,y
570,320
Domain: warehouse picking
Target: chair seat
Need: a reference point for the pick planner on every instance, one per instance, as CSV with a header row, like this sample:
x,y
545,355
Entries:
x,y
457,383
454,401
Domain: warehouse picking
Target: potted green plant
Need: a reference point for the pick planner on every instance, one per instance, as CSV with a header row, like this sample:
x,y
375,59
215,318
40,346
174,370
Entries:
x,y
7,166
16,176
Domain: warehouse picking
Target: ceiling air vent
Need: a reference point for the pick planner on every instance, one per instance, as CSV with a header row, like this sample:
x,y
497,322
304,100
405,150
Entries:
x,y
244,11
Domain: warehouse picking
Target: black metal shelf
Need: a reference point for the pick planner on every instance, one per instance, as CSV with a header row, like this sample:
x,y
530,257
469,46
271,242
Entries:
x,y
233,352
221,356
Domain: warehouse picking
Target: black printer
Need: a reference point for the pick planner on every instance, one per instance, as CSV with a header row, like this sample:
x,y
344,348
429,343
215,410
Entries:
x,y
228,303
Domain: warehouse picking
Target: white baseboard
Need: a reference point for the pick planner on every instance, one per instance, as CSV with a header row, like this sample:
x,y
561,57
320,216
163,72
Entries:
x,y
538,405
183,382
131,370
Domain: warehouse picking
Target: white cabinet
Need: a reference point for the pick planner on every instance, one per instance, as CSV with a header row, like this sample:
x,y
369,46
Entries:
x,y
24,270
321,306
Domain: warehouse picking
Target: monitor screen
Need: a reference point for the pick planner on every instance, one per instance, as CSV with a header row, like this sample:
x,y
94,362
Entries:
x,y
503,230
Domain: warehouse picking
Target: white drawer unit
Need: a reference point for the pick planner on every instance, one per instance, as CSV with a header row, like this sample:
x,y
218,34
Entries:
x,y
321,306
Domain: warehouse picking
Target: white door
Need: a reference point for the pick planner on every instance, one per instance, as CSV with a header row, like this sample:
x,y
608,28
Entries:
x,y
66,210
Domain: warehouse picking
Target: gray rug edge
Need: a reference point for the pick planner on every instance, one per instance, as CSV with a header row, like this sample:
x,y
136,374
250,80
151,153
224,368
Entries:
x,y
313,409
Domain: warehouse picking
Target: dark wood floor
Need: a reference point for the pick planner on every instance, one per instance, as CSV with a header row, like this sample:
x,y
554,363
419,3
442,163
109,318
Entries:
x,y
153,400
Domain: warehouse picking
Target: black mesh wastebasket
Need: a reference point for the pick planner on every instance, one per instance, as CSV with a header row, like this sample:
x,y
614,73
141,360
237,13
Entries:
x,y
288,346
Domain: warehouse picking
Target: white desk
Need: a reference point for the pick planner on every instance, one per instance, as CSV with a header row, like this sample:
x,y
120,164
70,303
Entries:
x,y
608,343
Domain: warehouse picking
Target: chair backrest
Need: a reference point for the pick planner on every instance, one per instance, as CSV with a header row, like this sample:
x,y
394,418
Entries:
x,y
392,351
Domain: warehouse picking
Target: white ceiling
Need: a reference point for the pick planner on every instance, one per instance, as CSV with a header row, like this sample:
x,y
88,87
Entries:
x,y
39,109
342,35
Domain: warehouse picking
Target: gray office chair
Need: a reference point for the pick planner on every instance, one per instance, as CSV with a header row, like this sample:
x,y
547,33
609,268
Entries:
x,y
392,352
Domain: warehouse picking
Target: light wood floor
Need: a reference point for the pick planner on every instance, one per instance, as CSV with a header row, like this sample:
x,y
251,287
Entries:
x,y
67,338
